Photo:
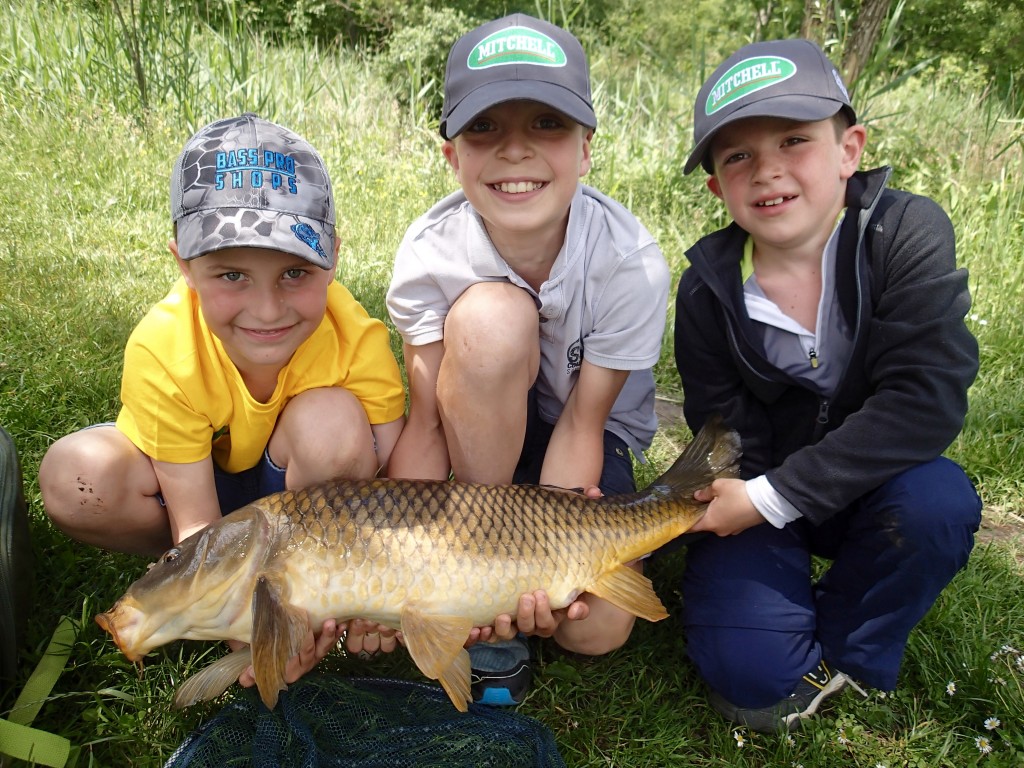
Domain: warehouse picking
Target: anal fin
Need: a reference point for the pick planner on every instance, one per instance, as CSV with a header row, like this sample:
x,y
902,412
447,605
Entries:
x,y
631,591
436,646
211,681
455,681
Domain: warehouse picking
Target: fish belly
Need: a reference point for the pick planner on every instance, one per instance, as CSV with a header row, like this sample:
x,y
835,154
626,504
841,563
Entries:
x,y
331,586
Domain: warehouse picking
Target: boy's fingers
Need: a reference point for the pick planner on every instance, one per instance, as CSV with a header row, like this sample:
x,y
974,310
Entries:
x,y
504,628
248,678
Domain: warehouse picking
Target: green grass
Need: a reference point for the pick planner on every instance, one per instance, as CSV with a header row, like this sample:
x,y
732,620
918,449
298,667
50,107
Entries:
x,y
83,254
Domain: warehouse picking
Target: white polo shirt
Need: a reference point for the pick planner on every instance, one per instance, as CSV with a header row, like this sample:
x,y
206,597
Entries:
x,y
605,300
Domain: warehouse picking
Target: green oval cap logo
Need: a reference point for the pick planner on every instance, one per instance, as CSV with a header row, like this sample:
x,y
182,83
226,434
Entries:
x,y
747,77
516,45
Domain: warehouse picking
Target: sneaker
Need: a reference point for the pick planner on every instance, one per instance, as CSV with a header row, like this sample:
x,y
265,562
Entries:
x,y
500,672
810,693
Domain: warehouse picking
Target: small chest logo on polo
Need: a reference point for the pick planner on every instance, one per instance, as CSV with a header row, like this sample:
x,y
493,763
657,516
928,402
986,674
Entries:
x,y
747,77
574,357
516,45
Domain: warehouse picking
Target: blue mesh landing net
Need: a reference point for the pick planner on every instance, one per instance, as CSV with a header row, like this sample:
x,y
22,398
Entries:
x,y
327,720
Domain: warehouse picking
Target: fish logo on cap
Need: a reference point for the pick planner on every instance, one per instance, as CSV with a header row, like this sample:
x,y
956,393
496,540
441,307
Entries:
x,y
516,45
747,77
308,235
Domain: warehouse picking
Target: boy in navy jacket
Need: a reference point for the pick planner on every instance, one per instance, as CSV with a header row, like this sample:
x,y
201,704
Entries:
x,y
826,325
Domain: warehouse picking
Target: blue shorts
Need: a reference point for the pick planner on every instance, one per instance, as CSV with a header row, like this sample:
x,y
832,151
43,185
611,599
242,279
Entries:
x,y
616,471
236,490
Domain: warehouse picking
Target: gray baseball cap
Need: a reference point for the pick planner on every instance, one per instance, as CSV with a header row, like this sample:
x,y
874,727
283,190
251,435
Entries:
x,y
245,181
515,57
791,79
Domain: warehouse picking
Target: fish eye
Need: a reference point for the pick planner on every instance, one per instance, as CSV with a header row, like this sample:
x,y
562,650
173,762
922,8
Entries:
x,y
170,555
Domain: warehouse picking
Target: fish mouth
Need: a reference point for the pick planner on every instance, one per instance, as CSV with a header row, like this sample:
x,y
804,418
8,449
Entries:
x,y
123,622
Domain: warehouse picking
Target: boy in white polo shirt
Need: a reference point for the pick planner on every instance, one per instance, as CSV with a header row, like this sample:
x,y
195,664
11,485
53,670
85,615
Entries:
x,y
532,310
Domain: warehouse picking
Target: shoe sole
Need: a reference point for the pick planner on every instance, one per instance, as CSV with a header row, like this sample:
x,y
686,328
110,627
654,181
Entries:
x,y
763,721
502,690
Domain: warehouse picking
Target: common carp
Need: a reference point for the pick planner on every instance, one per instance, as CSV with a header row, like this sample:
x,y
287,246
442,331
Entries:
x,y
431,558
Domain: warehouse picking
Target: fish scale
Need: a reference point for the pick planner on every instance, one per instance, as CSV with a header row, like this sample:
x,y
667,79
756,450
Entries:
x,y
430,558
503,539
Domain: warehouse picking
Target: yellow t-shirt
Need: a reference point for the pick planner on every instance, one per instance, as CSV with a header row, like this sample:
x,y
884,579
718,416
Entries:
x,y
182,396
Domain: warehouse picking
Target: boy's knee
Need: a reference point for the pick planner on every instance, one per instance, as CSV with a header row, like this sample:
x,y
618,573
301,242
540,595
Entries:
x,y
598,643
76,469
323,409
605,629
323,434
932,500
492,321
72,459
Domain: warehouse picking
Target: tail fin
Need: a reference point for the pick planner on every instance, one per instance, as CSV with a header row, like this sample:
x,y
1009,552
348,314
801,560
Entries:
x,y
713,453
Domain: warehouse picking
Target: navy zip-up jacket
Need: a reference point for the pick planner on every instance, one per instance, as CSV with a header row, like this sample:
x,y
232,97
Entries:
x,y
902,398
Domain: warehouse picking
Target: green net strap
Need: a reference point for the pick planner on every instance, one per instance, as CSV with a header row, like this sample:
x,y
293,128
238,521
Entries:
x,y
17,738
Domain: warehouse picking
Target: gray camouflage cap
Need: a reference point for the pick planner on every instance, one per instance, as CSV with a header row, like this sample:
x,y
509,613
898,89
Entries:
x,y
515,57
244,181
791,79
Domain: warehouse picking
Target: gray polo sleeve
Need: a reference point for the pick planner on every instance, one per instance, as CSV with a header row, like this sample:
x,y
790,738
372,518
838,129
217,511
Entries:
x,y
630,315
415,301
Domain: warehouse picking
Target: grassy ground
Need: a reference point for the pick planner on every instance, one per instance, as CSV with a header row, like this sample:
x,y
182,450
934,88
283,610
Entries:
x,y
83,234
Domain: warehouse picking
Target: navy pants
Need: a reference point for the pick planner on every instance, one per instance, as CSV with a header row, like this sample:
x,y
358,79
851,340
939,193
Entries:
x,y
756,623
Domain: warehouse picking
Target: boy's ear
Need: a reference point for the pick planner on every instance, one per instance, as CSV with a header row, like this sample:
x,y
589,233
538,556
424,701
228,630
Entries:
x,y
714,186
337,250
852,145
585,161
182,264
448,149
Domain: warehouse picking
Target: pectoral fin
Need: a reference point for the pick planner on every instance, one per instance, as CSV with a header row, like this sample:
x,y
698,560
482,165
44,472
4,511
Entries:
x,y
631,591
278,630
210,682
435,644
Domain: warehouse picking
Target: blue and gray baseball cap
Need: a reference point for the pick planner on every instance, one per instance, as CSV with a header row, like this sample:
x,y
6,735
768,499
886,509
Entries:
x,y
515,57
244,181
791,79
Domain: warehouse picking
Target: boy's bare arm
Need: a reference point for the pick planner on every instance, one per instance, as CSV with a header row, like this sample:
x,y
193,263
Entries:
x,y
575,454
189,494
421,452
385,436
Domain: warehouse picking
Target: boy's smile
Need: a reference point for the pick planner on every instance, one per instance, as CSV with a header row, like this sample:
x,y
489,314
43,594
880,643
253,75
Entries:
x,y
784,182
519,164
262,305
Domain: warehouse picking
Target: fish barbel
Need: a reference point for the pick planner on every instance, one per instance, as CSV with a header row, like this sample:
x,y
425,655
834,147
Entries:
x,y
431,558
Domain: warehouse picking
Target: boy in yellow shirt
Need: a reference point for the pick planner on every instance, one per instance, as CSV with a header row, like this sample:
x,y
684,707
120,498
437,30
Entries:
x,y
257,372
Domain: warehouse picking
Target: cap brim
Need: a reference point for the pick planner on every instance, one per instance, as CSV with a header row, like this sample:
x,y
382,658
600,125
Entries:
x,y
789,107
220,228
494,93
